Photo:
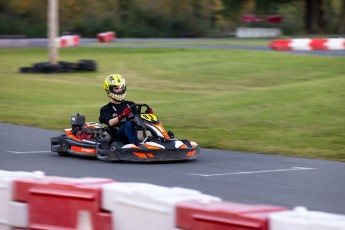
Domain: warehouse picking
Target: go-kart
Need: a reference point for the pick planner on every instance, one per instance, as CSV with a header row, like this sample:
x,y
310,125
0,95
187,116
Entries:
x,y
93,140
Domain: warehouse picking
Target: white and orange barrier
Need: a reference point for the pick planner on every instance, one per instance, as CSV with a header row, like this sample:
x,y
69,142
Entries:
x,y
36,201
12,212
194,215
108,36
308,44
56,202
67,40
149,205
302,219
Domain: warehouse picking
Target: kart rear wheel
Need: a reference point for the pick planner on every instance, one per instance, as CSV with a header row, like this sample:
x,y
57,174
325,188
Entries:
x,y
101,155
62,154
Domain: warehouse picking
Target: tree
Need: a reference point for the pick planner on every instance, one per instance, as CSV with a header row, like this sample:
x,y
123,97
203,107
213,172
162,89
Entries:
x,y
314,16
341,18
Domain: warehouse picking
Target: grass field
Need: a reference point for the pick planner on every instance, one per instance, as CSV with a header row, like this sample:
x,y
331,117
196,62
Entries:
x,y
266,102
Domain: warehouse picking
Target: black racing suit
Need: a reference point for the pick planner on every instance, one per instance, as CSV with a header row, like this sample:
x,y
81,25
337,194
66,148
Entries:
x,y
112,110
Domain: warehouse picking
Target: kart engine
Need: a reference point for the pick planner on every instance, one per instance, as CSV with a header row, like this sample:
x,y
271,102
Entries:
x,y
77,122
87,130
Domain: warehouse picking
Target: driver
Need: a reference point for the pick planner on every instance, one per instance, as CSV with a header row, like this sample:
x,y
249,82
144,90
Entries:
x,y
116,112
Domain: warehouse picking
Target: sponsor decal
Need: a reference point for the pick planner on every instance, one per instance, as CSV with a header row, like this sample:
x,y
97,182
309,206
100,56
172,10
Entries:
x,y
83,150
149,117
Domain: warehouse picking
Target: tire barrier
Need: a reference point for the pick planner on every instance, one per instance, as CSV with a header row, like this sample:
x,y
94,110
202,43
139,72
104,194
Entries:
x,y
308,44
67,41
106,36
32,200
61,67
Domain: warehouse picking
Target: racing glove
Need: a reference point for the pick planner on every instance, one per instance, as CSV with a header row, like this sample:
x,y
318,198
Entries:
x,y
125,113
150,111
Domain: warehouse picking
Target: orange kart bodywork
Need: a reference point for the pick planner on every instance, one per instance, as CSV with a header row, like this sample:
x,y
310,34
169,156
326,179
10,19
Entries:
x,y
87,139
172,150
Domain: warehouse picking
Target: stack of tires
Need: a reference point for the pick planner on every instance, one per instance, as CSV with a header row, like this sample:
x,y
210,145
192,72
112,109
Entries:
x,y
61,67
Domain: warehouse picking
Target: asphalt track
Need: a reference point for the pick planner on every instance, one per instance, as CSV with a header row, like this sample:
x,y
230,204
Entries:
x,y
246,178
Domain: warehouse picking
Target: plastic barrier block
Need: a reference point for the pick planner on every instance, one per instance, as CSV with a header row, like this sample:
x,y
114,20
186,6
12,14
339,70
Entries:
x,y
336,43
13,213
106,36
146,206
300,44
56,202
318,44
195,215
280,44
302,219
67,40
309,44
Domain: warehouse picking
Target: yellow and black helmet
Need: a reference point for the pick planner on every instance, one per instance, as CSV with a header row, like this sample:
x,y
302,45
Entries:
x,y
115,87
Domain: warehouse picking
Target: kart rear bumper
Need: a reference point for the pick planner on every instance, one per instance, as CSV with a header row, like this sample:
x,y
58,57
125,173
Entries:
x,y
65,144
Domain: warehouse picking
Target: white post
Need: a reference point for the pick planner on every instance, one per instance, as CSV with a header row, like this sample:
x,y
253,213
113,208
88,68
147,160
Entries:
x,y
53,28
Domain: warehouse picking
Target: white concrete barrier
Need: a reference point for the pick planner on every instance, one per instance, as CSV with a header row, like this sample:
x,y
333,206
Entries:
x,y
13,213
302,219
248,32
108,205
146,206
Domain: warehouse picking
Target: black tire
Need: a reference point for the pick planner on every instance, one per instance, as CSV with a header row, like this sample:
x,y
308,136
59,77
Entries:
x,y
102,150
87,65
26,70
68,66
62,154
116,145
46,67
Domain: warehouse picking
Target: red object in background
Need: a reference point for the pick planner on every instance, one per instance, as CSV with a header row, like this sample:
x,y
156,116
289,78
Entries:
x,y
249,18
106,36
194,215
274,18
55,202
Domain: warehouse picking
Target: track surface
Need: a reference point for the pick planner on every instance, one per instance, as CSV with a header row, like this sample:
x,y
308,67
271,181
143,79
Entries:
x,y
233,176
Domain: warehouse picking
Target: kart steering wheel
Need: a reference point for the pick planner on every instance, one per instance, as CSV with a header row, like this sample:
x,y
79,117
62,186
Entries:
x,y
139,106
138,110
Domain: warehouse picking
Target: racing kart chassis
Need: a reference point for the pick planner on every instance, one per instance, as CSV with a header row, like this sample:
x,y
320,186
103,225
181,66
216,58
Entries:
x,y
91,139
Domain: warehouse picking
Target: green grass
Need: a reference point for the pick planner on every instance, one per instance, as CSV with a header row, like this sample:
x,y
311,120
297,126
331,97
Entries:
x,y
266,102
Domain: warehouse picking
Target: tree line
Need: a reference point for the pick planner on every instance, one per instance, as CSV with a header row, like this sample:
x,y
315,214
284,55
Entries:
x,y
170,18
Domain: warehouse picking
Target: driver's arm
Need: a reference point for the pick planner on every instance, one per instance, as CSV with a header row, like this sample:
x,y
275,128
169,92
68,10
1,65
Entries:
x,y
113,121
106,117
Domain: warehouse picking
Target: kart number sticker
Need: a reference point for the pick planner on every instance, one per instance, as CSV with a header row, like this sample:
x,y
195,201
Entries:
x,y
149,117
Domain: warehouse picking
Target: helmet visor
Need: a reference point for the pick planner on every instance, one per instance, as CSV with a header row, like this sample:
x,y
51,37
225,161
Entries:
x,y
117,88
